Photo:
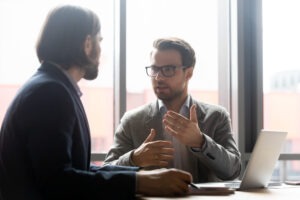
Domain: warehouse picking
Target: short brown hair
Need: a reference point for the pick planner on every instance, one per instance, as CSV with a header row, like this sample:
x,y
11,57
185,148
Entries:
x,y
184,48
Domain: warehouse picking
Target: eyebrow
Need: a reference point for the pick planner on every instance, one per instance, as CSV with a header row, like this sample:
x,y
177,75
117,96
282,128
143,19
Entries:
x,y
163,66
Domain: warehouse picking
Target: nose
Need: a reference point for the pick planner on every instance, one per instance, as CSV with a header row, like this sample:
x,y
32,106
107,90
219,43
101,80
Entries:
x,y
159,75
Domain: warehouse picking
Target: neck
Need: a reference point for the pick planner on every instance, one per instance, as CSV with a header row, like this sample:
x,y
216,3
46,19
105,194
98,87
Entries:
x,y
175,104
76,73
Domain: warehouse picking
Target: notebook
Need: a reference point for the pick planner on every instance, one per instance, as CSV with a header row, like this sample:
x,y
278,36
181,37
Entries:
x,y
261,163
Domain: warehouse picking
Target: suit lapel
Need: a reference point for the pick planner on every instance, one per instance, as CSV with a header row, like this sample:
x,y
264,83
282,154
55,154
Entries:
x,y
58,75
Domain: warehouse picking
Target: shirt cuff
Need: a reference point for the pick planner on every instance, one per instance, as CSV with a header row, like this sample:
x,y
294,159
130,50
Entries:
x,y
200,149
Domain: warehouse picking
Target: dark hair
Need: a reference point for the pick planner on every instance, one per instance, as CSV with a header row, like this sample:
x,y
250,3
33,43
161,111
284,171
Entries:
x,y
184,48
63,35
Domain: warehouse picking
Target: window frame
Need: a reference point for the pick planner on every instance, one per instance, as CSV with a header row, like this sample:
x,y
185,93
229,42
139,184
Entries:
x,y
240,70
247,78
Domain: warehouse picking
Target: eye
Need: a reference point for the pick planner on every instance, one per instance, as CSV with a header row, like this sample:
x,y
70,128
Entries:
x,y
168,68
154,69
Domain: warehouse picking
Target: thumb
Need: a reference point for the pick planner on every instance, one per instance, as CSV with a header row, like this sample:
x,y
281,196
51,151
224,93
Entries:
x,y
150,136
193,114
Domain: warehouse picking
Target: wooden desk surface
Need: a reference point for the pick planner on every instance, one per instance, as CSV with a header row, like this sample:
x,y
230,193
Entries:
x,y
286,192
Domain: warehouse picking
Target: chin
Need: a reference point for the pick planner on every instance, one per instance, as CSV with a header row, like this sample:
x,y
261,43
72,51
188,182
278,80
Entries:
x,y
162,96
91,77
91,73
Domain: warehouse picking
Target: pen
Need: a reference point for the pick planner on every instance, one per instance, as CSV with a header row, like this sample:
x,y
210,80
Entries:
x,y
193,185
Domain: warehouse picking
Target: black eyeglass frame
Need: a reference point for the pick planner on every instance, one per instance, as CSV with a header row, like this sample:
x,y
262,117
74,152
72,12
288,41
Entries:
x,y
163,70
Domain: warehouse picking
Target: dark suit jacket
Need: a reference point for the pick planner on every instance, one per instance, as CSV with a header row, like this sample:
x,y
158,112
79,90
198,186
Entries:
x,y
45,146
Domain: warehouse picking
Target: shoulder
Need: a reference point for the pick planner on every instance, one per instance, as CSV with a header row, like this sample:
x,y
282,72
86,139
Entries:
x,y
140,113
42,92
45,86
48,80
211,109
140,110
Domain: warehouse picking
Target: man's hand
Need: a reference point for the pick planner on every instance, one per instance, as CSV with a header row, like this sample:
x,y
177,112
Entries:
x,y
153,153
163,182
185,130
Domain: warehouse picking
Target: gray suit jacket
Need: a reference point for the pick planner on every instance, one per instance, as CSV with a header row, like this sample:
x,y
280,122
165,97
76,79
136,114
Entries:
x,y
218,159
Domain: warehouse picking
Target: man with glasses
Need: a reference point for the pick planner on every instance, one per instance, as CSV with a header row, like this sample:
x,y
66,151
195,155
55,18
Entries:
x,y
176,130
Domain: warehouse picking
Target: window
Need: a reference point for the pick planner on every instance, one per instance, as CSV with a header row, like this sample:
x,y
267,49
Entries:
x,y
146,20
193,20
262,50
18,60
281,69
269,101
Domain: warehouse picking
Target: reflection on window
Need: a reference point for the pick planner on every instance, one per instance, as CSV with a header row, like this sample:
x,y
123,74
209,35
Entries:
x,y
281,75
286,170
18,61
193,20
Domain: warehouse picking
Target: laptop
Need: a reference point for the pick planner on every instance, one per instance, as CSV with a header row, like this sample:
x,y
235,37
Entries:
x,y
261,163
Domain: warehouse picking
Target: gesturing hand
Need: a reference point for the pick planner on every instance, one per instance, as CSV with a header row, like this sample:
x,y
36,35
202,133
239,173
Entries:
x,y
153,153
183,129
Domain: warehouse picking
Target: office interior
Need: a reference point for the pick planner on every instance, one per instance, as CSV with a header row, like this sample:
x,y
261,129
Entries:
x,y
247,55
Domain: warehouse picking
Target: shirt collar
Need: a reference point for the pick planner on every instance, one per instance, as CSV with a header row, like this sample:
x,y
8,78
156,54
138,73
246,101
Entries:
x,y
183,110
73,82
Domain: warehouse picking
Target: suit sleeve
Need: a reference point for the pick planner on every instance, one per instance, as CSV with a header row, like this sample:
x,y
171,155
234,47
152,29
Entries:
x,y
123,147
220,152
50,122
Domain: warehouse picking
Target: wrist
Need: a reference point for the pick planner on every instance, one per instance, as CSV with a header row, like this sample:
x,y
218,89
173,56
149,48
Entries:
x,y
134,159
141,180
131,161
199,142
200,145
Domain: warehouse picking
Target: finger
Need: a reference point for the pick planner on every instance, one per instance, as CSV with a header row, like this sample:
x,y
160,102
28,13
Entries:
x,y
177,190
177,123
171,119
150,136
163,157
161,144
167,151
162,163
170,126
193,114
174,117
161,160
180,186
171,130
183,187
185,176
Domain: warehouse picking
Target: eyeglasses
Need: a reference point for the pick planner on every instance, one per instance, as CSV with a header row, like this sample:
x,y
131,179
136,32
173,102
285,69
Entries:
x,y
166,71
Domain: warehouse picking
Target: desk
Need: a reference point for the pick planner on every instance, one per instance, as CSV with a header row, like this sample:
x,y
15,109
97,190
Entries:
x,y
282,193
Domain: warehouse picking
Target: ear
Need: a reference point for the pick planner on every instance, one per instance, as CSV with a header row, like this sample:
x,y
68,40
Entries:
x,y
88,47
189,73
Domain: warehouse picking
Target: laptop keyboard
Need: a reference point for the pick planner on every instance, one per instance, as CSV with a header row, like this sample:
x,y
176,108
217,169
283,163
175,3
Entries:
x,y
233,184
237,184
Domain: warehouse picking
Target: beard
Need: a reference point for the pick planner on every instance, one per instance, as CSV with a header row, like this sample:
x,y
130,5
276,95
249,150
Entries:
x,y
91,72
91,69
169,95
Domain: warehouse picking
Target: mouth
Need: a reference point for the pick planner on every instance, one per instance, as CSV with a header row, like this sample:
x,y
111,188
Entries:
x,y
161,88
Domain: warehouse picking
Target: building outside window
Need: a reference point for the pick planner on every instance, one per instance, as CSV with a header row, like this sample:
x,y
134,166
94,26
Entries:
x,y
281,80
198,22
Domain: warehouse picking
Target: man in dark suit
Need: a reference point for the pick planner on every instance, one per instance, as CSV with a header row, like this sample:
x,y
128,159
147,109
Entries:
x,y
45,139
